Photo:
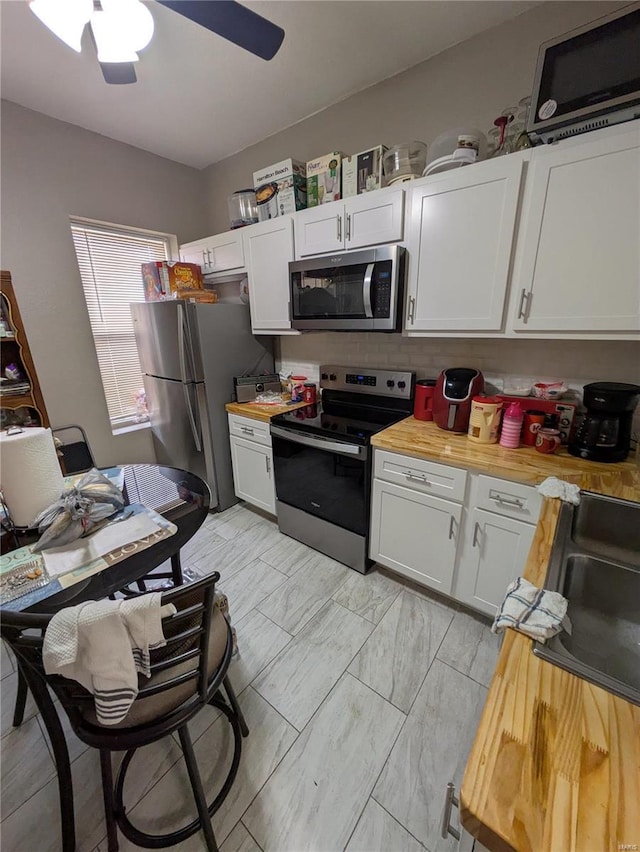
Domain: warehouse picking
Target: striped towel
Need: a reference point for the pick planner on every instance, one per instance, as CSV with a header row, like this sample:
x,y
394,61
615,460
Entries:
x,y
535,612
103,645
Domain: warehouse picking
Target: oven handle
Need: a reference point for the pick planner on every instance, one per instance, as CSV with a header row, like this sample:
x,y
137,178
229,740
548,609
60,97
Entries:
x,y
366,291
318,443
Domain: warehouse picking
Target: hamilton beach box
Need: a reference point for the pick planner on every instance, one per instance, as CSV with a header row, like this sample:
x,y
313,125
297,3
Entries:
x,y
280,189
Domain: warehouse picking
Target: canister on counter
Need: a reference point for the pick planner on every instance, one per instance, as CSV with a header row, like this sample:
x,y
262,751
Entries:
x,y
533,421
309,392
484,419
296,387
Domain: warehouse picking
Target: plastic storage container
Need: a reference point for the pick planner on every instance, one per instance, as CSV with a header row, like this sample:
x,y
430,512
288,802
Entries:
x,y
405,161
512,426
243,209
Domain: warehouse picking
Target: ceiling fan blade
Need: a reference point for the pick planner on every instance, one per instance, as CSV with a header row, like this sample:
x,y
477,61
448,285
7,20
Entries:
x,y
118,72
234,22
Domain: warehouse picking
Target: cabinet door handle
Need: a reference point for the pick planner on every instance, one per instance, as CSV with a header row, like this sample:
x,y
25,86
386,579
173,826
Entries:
x,y
525,304
268,464
445,825
204,258
339,218
211,262
348,237
247,430
505,501
451,527
417,477
412,310
476,530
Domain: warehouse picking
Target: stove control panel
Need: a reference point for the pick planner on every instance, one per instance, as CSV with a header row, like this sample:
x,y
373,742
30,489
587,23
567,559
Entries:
x,y
398,384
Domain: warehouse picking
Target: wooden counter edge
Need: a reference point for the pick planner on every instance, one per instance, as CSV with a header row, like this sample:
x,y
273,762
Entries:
x,y
264,413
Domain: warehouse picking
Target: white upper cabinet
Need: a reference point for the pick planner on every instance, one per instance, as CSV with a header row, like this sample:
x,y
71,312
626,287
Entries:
x,y
373,218
219,253
578,262
460,237
268,248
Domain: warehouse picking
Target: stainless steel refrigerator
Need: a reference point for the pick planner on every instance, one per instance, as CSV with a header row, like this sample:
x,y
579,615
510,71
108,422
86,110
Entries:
x,y
189,354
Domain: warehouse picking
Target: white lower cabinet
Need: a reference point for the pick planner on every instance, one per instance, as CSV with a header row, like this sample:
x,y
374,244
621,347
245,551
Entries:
x,y
252,462
415,534
470,547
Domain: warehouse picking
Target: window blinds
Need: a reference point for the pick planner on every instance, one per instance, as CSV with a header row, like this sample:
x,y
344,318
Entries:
x,y
109,261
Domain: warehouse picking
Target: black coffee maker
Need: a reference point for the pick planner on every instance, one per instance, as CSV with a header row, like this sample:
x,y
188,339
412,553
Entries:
x,y
605,432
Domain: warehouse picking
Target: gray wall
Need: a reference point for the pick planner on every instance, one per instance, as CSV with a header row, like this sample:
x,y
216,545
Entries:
x,y
50,171
469,84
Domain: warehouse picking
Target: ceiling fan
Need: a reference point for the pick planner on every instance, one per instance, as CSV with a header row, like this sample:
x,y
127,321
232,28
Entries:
x,y
121,28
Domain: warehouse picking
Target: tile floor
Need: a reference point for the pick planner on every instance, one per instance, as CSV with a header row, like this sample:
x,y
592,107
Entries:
x,y
362,695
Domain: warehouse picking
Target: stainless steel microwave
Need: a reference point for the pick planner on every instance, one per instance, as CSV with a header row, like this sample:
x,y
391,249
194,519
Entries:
x,y
351,291
588,78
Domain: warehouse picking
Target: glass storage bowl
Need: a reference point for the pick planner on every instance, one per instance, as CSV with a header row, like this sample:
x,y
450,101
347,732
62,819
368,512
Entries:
x,y
404,161
243,209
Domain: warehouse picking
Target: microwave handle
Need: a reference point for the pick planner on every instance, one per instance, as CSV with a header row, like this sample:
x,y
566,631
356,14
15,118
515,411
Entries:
x,y
366,290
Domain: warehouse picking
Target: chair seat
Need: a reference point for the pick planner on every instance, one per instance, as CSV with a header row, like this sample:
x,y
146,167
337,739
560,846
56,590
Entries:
x,y
144,710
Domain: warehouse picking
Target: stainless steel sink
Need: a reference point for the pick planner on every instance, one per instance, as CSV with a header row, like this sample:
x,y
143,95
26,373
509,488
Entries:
x,y
595,564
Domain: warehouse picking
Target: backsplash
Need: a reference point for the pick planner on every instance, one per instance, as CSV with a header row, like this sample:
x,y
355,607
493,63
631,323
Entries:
x,y
576,361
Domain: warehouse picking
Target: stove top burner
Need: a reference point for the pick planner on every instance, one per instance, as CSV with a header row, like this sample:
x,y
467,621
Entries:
x,y
356,424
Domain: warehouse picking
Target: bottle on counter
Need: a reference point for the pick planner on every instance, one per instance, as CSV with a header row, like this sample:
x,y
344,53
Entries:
x,y
512,426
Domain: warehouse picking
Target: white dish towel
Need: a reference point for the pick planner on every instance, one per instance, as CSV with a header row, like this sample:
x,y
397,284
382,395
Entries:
x,y
537,613
103,645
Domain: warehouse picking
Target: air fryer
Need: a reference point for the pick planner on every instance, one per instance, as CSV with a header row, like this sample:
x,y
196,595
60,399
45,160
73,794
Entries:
x,y
454,392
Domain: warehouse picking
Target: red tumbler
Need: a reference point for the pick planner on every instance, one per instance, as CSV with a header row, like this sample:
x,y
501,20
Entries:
x,y
423,403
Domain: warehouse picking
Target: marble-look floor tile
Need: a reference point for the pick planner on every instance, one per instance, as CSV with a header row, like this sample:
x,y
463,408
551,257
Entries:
x,y
149,764
287,555
471,647
377,831
237,520
36,824
229,557
259,641
314,798
432,750
296,602
6,663
23,747
8,703
240,841
301,676
249,586
397,655
200,546
369,595
75,746
170,803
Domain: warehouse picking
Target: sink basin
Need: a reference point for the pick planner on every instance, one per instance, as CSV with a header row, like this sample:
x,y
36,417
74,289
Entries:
x,y
595,564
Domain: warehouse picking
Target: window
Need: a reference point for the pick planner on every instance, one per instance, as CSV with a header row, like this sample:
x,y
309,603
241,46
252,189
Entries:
x,y
109,259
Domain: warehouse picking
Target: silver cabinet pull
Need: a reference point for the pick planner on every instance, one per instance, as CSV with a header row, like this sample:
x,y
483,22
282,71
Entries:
x,y
268,464
339,218
525,304
416,477
211,262
412,310
506,501
247,430
476,530
445,826
348,237
204,258
451,525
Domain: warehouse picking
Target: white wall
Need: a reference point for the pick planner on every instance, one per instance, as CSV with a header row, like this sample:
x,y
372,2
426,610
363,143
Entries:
x,y
50,171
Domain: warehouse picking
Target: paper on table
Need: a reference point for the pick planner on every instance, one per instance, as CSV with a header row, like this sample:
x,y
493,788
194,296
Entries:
x,y
61,560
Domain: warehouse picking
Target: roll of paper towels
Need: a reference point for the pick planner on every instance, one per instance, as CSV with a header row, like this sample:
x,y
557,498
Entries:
x,y
30,474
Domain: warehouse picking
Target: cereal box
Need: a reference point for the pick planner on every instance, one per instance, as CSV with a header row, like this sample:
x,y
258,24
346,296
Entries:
x,y
162,278
323,179
280,189
363,172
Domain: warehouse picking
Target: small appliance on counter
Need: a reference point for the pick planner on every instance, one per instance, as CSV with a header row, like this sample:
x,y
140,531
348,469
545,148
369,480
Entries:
x,y
604,435
423,403
454,391
247,388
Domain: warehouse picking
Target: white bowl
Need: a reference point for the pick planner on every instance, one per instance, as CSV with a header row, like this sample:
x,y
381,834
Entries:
x,y
549,390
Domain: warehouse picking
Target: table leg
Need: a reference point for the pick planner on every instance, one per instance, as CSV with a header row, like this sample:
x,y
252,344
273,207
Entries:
x,y
21,698
176,569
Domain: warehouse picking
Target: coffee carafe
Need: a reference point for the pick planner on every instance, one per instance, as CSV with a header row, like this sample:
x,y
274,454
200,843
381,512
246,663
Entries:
x,y
605,432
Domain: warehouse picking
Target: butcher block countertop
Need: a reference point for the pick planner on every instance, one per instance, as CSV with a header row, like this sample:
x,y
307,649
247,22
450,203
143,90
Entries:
x,y
555,765
260,412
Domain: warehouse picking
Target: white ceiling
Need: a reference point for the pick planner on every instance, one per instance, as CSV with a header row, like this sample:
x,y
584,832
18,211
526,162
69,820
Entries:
x,y
199,98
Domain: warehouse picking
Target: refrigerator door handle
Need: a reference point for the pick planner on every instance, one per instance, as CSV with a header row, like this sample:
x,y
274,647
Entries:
x,y
183,377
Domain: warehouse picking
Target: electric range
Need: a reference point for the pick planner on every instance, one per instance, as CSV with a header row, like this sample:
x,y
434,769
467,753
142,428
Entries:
x,y
322,458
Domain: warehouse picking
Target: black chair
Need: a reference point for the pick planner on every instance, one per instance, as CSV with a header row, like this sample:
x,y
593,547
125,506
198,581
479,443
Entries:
x,y
74,450
186,674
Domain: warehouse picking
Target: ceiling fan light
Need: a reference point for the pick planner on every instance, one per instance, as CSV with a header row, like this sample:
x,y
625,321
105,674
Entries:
x,y
112,43
135,21
65,18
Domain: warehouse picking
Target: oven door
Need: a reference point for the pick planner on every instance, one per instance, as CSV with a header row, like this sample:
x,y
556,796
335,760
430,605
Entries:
x,y
323,477
355,291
